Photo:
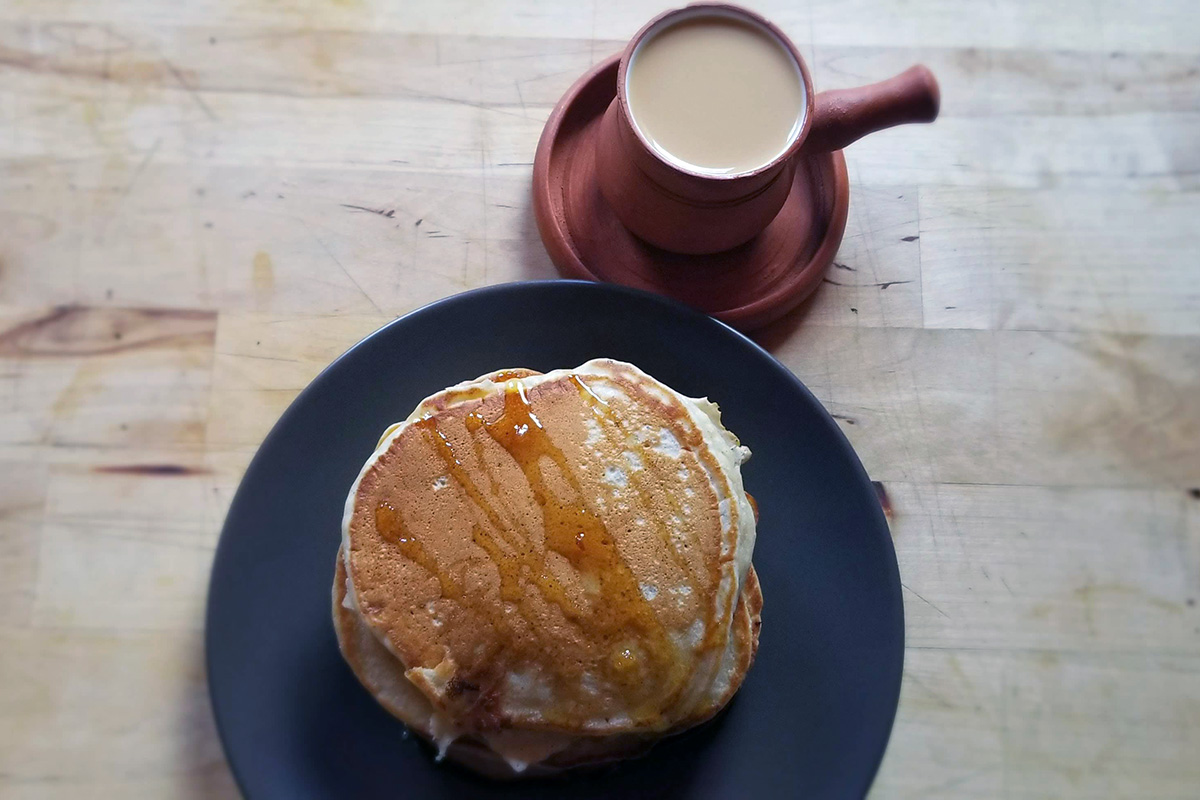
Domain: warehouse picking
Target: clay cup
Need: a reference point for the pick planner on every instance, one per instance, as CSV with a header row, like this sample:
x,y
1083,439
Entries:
x,y
683,210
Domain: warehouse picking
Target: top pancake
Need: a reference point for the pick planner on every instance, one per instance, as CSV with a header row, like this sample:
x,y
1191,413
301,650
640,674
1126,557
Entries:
x,y
556,552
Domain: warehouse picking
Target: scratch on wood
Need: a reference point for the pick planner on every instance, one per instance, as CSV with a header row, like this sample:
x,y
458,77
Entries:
x,y
923,600
187,87
350,277
141,167
845,419
910,238
941,700
389,213
268,358
844,266
883,285
521,98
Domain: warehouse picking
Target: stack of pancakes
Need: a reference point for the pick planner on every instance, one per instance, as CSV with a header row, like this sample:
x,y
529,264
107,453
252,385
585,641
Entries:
x,y
545,571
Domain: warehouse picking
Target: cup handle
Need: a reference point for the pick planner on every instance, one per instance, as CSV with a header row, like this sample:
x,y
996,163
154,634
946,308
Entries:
x,y
843,116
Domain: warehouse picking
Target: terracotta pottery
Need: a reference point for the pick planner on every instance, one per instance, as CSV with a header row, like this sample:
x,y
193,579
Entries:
x,y
686,211
745,247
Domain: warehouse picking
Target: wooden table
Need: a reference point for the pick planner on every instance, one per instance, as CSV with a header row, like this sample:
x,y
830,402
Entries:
x,y
203,203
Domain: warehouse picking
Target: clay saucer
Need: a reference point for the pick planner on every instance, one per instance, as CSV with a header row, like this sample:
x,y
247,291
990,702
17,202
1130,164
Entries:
x,y
746,287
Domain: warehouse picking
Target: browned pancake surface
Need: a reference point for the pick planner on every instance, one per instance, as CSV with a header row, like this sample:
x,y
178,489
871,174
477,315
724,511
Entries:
x,y
548,557
383,676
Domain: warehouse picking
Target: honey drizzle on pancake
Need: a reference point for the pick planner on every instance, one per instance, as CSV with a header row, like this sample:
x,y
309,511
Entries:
x,y
716,627
508,565
576,533
391,528
641,658
602,411
713,628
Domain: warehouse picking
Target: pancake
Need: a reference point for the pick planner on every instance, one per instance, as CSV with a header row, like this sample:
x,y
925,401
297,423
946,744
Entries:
x,y
554,566
515,753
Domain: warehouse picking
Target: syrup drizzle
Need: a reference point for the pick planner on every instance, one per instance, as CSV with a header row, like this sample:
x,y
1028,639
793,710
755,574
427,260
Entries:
x,y
603,412
714,628
637,655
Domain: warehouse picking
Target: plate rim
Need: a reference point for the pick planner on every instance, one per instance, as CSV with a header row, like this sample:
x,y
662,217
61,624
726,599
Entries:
x,y
668,304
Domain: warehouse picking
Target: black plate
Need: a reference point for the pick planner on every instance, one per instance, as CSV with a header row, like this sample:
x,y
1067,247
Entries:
x,y
814,715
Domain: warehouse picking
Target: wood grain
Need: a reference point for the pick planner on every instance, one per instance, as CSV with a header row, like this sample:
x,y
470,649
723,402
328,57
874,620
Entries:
x,y
202,204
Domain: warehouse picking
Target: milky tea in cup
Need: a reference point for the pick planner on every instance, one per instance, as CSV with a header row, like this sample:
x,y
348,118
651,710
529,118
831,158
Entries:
x,y
716,93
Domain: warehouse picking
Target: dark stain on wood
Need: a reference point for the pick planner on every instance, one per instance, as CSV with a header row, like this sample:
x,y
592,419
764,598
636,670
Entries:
x,y
152,470
885,502
1194,493
74,330
910,238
